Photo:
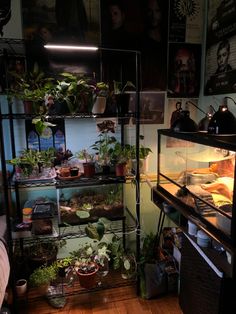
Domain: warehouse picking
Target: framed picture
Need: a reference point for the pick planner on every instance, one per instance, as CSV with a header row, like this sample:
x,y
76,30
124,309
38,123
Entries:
x,y
152,106
220,65
184,70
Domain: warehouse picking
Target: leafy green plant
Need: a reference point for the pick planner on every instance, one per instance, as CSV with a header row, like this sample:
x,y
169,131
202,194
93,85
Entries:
x,y
31,159
43,275
32,86
119,88
104,148
121,153
143,151
83,154
77,91
101,89
64,262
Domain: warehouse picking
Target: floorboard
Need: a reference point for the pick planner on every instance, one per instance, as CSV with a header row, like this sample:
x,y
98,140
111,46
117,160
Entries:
x,y
122,300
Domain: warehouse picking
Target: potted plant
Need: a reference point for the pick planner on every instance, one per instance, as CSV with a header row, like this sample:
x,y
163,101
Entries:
x,y
85,266
63,264
76,91
32,163
104,149
31,88
87,160
41,277
143,154
120,157
27,164
101,93
122,98
43,252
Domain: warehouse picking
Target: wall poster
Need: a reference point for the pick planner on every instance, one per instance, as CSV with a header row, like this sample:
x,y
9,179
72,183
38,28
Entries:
x,y
186,21
59,21
220,72
184,70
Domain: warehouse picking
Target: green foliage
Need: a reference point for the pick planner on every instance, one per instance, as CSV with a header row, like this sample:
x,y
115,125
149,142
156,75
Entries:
x,y
77,91
43,275
95,231
32,86
64,262
117,251
30,159
104,147
119,88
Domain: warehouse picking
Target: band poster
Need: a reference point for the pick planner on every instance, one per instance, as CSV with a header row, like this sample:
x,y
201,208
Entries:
x,y
186,21
220,72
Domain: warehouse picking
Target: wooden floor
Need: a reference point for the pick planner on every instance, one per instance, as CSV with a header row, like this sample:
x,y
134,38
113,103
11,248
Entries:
x,y
121,300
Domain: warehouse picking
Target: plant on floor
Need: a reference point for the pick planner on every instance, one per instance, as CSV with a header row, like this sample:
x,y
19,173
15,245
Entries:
x,y
43,276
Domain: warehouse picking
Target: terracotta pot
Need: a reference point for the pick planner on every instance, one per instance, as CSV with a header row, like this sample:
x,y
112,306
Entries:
x,y
30,107
89,169
121,170
88,281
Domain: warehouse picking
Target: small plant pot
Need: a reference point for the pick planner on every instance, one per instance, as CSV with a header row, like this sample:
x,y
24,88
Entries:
x,y
21,287
106,169
89,169
74,172
88,280
121,170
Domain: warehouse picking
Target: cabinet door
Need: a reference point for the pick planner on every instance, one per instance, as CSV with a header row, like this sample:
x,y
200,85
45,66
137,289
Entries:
x,y
200,286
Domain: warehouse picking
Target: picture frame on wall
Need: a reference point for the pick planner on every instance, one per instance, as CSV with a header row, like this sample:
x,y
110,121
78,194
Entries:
x,y
184,70
152,106
220,63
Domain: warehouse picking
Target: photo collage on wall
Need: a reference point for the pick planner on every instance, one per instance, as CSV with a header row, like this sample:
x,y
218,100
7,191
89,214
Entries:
x,y
220,71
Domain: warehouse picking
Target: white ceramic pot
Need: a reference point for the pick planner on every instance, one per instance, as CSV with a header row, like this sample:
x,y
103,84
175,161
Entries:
x,y
99,105
21,287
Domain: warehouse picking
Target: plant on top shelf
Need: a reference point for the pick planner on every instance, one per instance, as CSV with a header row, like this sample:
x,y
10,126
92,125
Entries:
x,y
77,91
32,86
101,89
119,88
122,98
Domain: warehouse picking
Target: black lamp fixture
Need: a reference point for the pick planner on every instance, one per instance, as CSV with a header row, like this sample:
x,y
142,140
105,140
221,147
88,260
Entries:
x,y
204,122
184,123
223,122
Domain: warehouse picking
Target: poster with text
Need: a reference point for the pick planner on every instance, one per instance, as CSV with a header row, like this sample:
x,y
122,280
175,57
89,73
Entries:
x,y
186,21
220,71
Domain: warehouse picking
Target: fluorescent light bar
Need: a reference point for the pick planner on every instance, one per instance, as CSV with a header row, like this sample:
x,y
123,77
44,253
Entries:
x,y
66,47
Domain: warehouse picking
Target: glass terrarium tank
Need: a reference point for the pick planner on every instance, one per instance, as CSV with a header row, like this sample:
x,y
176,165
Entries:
x,y
199,170
85,204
